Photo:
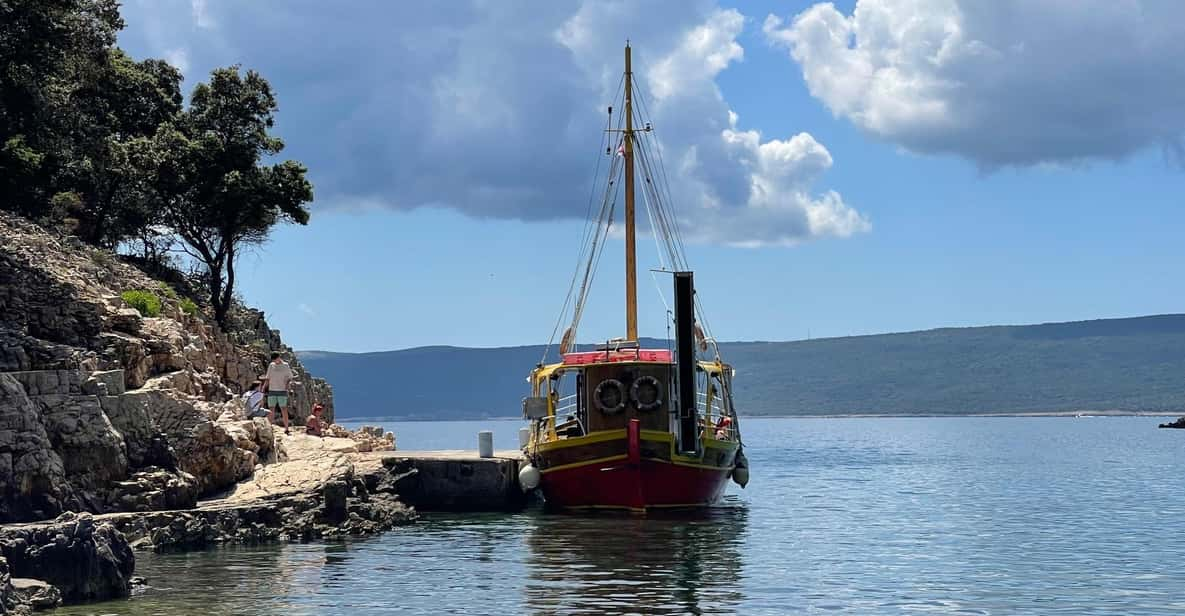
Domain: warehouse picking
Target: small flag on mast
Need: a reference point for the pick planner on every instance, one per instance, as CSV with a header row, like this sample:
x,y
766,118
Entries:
x,y
621,149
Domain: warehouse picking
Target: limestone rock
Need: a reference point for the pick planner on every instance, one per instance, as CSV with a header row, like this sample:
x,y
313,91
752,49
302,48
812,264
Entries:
x,y
154,489
36,594
304,447
92,451
305,476
127,320
164,341
85,560
97,395
104,383
32,477
49,382
9,602
209,453
255,435
19,352
146,444
128,351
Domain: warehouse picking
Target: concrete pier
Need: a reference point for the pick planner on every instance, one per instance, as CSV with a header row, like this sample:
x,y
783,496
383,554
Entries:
x,y
455,480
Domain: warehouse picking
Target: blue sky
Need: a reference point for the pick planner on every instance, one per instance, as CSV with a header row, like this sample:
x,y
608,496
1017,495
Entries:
x,y
955,163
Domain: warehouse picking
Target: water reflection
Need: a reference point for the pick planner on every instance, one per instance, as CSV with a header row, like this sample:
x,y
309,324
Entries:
x,y
228,580
658,564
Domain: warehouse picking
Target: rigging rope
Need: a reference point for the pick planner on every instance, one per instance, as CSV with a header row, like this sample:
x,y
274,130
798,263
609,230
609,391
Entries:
x,y
589,228
657,199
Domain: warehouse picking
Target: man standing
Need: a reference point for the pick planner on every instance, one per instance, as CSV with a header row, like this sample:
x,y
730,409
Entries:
x,y
279,376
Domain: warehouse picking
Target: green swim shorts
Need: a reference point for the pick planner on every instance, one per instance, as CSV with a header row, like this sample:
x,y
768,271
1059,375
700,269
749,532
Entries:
x,y
277,398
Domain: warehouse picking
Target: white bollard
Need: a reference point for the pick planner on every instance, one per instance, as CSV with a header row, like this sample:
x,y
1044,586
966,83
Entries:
x,y
524,437
485,444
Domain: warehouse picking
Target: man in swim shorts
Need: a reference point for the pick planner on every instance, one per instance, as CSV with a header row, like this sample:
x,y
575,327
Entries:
x,y
279,376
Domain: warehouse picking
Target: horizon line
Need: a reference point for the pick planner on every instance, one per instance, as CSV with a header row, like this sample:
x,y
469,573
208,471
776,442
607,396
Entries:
x,y
805,340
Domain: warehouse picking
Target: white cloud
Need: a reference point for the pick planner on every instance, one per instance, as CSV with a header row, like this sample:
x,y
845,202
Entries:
x,y
201,15
495,109
306,309
1006,82
179,58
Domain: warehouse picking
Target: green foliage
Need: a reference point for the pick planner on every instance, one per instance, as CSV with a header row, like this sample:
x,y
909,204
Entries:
x,y
221,197
189,307
114,158
97,142
167,290
144,301
48,51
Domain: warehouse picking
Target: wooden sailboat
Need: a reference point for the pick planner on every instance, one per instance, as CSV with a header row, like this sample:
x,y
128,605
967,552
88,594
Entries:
x,y
620,426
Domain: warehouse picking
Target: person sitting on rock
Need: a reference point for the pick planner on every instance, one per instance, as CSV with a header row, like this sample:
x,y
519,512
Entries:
x,y
253,400
279,376
313,425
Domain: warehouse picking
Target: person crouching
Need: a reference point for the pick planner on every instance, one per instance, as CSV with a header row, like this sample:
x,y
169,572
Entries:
x,y
313,425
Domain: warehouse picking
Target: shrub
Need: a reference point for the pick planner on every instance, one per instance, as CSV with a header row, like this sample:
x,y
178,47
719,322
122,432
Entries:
x,y
144,301
167,290
189,307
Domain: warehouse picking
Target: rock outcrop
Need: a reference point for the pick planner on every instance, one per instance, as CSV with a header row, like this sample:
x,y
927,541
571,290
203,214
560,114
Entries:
x,y
316,491
114,426
103,409
32,475
1179,423
85,559
36,594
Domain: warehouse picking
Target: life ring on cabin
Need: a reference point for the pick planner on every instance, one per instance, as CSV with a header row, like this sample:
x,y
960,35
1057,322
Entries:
x,y
646,392
610,396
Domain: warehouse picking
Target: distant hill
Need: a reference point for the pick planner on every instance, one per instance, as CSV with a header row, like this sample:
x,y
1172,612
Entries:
x,y
1135,364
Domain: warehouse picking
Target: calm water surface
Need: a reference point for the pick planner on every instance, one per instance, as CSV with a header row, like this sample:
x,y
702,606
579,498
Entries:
x,y
860,516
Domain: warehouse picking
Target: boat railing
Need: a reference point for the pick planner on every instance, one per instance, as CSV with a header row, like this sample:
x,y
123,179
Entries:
x,y
565,405
713,412
565,411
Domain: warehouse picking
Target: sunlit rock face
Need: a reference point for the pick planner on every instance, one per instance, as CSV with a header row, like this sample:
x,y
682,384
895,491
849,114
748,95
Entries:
x,y
103,409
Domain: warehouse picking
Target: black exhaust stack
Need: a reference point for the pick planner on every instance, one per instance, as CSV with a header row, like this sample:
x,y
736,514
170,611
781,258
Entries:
x,y
685,361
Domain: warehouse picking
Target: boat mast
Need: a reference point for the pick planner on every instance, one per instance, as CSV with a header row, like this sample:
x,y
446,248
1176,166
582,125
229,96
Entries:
x,y
631,270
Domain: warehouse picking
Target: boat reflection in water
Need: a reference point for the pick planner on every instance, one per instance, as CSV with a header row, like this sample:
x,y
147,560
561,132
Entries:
x,y
662,563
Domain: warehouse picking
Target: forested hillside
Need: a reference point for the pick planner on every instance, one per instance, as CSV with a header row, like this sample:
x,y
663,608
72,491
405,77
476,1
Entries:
x,y
1135,364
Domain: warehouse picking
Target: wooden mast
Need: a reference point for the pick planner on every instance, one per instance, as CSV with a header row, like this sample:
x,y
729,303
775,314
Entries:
x,y
631,270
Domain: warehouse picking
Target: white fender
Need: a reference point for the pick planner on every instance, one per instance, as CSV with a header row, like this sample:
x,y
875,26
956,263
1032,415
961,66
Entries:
x,y
528,478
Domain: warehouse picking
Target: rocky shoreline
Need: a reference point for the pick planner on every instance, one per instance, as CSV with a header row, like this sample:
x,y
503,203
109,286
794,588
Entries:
x,y
323,489
1179,423
122,431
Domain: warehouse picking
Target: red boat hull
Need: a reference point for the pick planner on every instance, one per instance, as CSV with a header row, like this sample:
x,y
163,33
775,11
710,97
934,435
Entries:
x,y
622,485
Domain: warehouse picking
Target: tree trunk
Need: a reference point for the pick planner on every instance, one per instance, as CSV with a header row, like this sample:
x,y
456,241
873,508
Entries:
x,y
216,293
222,306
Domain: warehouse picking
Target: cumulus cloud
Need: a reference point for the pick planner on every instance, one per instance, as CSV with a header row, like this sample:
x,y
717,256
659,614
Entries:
x,y
1005,82
496,109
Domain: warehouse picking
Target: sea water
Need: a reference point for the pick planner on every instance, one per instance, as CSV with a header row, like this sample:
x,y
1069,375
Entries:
x,y
859,516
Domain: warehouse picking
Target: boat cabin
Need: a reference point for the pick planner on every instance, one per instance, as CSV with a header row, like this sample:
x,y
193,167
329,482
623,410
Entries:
x,y
602,390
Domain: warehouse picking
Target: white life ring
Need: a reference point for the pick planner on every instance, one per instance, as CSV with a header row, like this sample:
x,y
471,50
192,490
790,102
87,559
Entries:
x,y
605,387
644,385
